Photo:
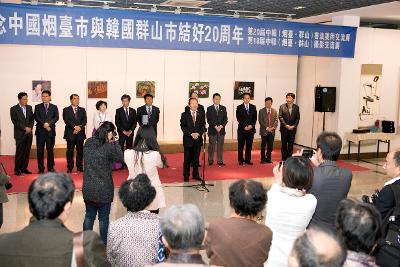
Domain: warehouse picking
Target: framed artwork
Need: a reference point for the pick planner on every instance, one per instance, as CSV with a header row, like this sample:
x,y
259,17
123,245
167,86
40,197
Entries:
x,y
202,89
243,87
38,86
97,89
145,87
370,95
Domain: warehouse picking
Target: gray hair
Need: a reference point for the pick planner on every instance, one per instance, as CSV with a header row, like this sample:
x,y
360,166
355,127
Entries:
x,y
183,227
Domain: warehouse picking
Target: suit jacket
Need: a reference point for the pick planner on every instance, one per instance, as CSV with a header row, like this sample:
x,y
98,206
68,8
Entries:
x,y
331,185
154,118
386,201
4,178
216,119
48,243
19,120
289,119
263,120
124,124
188,128
41,117
71,121
245,119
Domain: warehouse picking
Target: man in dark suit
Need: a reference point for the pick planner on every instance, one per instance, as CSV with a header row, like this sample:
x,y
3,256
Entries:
x,y
200,107
152,113
331,184
125,120
246,115
268,119
193,127
217,119
289,116
23,119
75,122
46,116
46,241
386,201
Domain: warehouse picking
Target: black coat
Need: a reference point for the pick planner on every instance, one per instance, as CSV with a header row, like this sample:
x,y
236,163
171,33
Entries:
x,y
41,117
201,110
124,124
289,119
188,128
386,200
71,122
19,120
214,119
245,119
154,118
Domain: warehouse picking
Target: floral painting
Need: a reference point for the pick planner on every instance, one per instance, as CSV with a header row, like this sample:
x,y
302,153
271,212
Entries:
x,y
97,89
145,87
202,89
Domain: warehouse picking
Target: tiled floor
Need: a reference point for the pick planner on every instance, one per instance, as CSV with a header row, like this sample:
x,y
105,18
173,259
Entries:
x,y
214,204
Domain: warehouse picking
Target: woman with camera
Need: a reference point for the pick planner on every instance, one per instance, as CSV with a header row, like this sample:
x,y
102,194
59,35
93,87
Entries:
x,y
99,153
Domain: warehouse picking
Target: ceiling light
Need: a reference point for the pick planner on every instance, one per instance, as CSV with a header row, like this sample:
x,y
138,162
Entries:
x,y
34,2
59,3
260,16
236,14
106,5
201,12
153,8
289,18
178,10
70,3
299,7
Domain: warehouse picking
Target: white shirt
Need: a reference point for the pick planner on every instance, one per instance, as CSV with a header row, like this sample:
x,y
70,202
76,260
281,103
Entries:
x,y
391,181
287,217
100,117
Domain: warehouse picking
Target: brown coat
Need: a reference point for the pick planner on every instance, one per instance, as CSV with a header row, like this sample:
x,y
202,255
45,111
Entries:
x,y
237,242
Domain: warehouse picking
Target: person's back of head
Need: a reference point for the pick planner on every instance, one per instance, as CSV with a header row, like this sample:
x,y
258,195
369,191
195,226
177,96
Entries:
x,y
298,173
317,247
247,197
330,145
146,139
136,194
49,194
103,130
359,225
183,227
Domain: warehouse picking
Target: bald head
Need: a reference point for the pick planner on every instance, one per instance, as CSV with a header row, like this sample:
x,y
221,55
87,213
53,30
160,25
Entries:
x,y
315,248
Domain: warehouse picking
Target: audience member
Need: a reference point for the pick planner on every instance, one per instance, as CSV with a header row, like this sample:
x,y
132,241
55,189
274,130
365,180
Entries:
x,y
133,239
46,241
247,198
289,207
359,225
4,179
145,157
331,184
183,233
99,153
317,248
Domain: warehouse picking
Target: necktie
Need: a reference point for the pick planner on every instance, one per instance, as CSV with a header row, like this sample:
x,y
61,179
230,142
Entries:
x,y
217,109
269,118
75,112
126,113
46,107
194,116
149,111
247,109
24,111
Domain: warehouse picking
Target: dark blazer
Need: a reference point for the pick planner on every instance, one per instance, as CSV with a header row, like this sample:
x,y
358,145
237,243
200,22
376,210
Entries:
x,y
214,119
154,118
386,201
19,120
286,119
201,110
71,122
48,243
263,120
331,185
122,123
41,117
4,178
245,119
188,128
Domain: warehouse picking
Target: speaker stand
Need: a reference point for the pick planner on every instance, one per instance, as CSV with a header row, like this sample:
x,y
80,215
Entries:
x,y
323,123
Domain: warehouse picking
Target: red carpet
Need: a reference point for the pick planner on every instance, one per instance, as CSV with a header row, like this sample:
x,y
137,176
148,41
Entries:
x,y
171,175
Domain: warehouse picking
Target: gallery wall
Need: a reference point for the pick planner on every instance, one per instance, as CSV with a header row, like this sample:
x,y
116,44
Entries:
x,y
373,46
70,68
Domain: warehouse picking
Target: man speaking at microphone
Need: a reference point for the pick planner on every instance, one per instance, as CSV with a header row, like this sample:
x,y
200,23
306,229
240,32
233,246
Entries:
x,y
192,126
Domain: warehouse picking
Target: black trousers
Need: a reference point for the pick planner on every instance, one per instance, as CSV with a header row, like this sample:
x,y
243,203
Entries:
x,y
191,158
71,145
125,140
245,139
48,140
267,141
23,149
287,138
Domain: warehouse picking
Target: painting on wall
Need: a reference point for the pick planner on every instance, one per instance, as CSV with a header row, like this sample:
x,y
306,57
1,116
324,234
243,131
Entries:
x,y
97,89
202,89
369,106
243,87
145,87
38,87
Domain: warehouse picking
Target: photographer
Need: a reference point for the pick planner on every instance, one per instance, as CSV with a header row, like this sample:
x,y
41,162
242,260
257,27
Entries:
x,y
99,153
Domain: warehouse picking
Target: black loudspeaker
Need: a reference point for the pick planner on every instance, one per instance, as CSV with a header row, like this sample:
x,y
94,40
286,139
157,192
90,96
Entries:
x,y
388,127
325,99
